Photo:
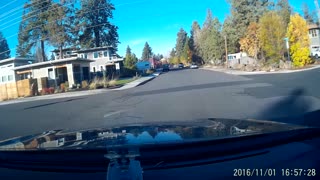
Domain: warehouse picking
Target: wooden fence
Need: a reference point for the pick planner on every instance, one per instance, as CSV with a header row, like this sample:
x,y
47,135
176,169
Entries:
x,y
23,88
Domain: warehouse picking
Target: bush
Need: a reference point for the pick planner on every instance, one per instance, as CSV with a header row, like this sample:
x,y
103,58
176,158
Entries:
x,y
98,83
113,82
84,84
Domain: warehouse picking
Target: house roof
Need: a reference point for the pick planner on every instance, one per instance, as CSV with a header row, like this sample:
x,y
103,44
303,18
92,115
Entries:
x,y
66,49
95,49
20,59
313,26
73,59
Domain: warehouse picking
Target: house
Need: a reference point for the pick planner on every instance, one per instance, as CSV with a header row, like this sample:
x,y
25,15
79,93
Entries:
x,y
314,35
73,70
66,53
104,59
7,73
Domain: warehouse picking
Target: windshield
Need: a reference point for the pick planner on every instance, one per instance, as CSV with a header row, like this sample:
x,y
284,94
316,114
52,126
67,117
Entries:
x,y
88,64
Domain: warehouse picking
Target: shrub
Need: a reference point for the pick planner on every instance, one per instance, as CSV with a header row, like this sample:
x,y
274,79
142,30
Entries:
x,y
84,84
113,82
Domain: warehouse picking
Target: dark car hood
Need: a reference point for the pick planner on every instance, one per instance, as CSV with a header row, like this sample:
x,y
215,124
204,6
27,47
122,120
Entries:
x,y
144,135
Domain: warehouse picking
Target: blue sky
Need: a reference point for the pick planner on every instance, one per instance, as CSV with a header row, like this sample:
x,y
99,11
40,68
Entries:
x,y
154,21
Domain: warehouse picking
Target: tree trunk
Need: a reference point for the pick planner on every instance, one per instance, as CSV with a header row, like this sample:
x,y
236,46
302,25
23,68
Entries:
x,y
43,55
97,37
61,56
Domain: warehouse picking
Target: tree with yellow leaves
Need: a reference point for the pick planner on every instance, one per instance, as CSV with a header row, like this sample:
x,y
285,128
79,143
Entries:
x,y
299,41
250,43
272,31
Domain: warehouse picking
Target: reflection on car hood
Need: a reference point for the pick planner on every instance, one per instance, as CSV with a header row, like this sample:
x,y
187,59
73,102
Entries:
x,y
142,135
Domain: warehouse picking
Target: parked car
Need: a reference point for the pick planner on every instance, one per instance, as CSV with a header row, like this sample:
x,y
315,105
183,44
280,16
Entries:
x,y
193,66
315,53
181,65
165,67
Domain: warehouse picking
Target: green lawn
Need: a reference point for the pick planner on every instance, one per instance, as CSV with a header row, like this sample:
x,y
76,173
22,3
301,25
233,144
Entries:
x,y
124,81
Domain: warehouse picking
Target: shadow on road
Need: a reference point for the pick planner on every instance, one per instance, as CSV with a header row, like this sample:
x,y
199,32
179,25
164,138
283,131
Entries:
x,y
191,87
293,109
53,103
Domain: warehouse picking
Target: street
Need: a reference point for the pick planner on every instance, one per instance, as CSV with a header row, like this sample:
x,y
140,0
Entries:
x,y
184,95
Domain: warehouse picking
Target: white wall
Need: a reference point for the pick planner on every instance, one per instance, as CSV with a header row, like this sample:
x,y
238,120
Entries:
x,y
6,72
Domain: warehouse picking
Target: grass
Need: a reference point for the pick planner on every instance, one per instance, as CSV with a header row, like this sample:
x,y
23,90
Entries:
x,y
124,81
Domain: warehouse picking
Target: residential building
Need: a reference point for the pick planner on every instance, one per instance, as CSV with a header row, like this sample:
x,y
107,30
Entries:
x,y
314,35
7,73
66,53
104,59
72,70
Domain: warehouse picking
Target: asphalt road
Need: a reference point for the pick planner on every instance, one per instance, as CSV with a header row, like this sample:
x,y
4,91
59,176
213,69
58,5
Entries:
x,y
185,95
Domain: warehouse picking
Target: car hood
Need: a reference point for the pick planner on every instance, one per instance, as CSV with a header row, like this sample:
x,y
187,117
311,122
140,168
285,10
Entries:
x,y
146,134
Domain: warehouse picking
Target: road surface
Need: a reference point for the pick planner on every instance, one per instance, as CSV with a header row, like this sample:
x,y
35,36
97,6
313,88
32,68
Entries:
x,y
185,95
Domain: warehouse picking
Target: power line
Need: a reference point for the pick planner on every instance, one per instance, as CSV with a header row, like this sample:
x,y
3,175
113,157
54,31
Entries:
x,y
8,4
56,36
28,17
15,9
50,23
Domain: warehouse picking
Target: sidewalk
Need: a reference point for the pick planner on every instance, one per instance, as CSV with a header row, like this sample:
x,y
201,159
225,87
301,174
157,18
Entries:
x,y
238,72
138,82
132,84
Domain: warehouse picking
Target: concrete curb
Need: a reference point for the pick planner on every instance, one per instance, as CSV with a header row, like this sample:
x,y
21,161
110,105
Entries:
x,y
80,93
235,72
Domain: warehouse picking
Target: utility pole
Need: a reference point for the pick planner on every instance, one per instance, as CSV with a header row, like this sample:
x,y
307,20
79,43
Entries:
x,y
226,48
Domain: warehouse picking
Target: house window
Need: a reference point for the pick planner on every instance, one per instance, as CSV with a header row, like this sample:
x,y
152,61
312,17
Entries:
x,y
105,53
50,73
95,55
10,78
4,78
313,32
85,55
100,54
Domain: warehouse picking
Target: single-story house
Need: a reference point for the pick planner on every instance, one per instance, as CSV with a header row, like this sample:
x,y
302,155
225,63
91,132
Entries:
x,y
7,66
73,70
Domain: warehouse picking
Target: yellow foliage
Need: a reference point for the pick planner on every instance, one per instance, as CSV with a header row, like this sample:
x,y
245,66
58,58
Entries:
x,y
250,43
299,41
272,31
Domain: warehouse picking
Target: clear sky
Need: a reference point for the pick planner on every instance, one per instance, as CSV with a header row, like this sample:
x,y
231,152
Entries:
x,y
154,21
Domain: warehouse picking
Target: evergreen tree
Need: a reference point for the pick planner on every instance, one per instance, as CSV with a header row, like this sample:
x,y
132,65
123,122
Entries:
x,y
94,27
33,27
4,48
181,40
146,52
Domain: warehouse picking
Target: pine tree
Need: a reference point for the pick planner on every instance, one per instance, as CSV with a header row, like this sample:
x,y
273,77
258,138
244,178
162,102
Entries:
x,y
284,11
243,12
4,48
146,52
60,18
130,59
95,28
181,40
307,14
33,27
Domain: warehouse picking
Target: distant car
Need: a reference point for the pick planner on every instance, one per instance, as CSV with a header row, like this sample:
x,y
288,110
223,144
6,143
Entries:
x,y
181,65
165,67
315,53
193,66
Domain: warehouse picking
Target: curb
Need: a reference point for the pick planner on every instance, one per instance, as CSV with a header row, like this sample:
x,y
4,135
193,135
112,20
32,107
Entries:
x,y
144,82
259,72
